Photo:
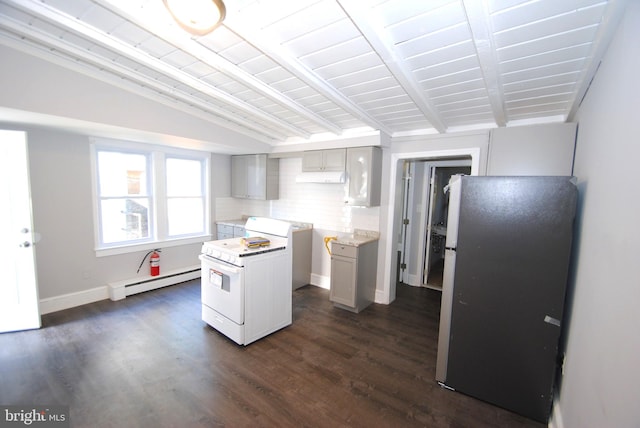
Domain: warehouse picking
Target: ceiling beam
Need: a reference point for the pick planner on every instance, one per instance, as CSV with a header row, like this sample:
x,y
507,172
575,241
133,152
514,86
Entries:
x,y
185,42
276,52
482,34
361,15
52,16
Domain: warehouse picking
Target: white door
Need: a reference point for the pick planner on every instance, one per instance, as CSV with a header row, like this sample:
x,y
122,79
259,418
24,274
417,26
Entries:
x,y
18,287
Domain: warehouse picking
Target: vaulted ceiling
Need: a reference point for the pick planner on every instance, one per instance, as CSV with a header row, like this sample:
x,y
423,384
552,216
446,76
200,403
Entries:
x,y
298,70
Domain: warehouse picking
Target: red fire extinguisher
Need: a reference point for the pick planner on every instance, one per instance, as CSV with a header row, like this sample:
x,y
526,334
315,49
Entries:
x,y
154,262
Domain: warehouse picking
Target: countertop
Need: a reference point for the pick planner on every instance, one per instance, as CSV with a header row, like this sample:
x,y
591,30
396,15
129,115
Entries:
x,y
235,222
357,238
295,225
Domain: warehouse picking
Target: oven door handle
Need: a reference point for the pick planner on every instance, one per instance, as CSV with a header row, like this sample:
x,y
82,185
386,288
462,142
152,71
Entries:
x,y
221,266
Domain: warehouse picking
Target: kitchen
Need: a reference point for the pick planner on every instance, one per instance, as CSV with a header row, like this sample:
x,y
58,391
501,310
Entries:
x,y
60,161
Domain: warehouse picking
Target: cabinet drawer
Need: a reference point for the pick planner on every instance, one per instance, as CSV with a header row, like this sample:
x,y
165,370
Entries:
x,y
344,250
224,228
238,231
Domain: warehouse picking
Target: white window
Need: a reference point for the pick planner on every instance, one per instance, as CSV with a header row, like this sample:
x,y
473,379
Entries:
x,y
147,197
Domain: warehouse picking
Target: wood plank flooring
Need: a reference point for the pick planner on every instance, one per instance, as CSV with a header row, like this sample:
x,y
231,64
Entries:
x,y
149,361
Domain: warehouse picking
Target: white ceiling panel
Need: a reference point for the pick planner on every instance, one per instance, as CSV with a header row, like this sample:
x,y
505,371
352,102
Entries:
x,y
283,71
434,42
579,52
430,21
101,19
524,13
546,44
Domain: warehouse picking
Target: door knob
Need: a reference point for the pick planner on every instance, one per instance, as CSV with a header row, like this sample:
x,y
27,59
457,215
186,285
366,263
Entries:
x,y
25,244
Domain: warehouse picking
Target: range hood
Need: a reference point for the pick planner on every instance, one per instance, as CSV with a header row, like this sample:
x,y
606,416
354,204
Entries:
x,y
321,177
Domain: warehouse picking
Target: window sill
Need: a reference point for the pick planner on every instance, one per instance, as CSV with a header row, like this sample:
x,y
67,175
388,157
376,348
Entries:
x,y
125,249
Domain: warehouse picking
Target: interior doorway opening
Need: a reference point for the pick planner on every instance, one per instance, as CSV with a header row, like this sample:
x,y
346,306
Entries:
x,y
424,218
436,223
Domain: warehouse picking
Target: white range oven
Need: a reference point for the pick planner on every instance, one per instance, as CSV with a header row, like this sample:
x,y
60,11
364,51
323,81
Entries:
x,y
246,282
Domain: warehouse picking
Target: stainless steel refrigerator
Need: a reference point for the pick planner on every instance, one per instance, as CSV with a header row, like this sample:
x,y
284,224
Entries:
x,y
508,248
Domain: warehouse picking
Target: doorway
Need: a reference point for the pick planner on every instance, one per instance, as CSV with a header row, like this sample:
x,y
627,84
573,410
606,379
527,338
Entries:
x,y
424,216
436,223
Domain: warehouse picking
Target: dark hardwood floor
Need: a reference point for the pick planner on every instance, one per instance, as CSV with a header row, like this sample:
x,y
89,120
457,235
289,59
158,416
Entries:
x,y
149,361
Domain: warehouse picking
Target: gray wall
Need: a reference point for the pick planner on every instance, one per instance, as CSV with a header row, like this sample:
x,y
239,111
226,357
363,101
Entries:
x,y
601,382
54,94
63,216
532,150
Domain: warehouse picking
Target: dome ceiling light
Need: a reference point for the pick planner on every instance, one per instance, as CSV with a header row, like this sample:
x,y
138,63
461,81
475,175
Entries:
x,y
198,17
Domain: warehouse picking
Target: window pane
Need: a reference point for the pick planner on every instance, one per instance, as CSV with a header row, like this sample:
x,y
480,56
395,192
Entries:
x,y
122,174
184,177
124,219
186,216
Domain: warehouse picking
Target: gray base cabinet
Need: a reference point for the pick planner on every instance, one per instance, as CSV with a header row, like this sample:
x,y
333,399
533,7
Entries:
x,y
301,248
230,229
353,275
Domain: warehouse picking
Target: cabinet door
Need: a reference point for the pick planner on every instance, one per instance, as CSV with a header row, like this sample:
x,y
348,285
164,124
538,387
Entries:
x,y
364,171
312,161
239,176
256,176
334,160
343,280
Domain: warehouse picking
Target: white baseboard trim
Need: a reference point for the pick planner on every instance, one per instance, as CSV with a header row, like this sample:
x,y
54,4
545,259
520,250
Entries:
x,y
320,281
556,415
71,300
413,280
121,289
117,290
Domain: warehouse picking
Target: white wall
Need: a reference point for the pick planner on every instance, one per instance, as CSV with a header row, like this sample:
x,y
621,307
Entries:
x,y
601,382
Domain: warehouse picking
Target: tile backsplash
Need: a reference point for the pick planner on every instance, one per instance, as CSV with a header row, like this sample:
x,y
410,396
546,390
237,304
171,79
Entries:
x,y
317,203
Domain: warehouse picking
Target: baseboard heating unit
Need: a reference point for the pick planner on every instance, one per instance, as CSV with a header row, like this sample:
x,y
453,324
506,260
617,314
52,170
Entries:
x,y
120,289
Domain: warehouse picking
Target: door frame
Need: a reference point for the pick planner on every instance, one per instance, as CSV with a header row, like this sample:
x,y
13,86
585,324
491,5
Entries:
x,y
389,246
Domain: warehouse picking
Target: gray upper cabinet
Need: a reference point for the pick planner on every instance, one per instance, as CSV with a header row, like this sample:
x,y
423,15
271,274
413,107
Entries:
x,y
364,172
323,160
254,177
